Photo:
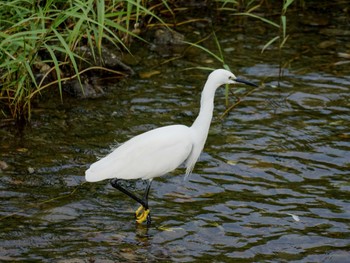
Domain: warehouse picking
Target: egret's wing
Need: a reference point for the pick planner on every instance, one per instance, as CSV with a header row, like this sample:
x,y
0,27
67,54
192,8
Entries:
x,y
147,155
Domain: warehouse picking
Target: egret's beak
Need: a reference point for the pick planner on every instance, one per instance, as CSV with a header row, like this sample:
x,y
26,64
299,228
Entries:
x,y
246,82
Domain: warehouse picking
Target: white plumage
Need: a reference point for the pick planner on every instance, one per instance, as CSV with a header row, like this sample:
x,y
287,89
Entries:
x,y
159,151
145,156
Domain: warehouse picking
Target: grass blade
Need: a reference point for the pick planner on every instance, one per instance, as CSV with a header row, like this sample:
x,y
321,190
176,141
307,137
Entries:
x,y
57,67
269,43
258,17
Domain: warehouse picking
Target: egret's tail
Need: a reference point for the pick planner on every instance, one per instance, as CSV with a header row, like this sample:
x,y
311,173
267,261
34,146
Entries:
x,y
90,176
99,171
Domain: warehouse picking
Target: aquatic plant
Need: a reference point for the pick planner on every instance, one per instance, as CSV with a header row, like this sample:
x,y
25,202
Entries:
x,y
39,42
281,35
251,6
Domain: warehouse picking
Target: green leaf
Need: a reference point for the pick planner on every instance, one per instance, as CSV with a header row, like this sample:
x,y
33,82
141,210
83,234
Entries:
x,y
284,25
57,67
206,50
284,41
258,17
100,26
269,43
286,4
68,51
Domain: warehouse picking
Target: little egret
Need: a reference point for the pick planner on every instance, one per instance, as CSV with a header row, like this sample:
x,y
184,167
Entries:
x,y
162,150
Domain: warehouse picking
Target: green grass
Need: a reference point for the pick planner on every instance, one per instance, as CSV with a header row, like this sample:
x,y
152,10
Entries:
x,y
39,43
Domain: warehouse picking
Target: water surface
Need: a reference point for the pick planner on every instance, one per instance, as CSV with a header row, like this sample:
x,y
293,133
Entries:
x,y
271,186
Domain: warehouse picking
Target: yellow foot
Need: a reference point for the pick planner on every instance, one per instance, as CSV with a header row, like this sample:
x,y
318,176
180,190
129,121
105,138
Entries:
x,y
141,214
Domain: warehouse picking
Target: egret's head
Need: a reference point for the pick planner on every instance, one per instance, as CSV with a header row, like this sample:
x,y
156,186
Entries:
x,y
223,76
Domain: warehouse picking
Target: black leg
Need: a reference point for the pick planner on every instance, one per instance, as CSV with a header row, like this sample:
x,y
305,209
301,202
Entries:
x,y
115,184
143,210
145,198
145,195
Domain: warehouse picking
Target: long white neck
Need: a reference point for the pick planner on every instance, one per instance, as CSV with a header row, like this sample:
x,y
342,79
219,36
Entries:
x,y
202,122
200,126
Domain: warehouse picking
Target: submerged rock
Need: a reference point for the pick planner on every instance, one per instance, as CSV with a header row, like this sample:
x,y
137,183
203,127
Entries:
x,y
84,89
315,20
167,42
335,32
3,165
109,57
109,60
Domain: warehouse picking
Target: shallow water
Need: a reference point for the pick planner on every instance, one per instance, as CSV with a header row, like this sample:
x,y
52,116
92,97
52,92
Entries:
x,y
271,186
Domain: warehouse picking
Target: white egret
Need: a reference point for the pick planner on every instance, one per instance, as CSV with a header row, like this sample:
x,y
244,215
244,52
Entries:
x,y
162,150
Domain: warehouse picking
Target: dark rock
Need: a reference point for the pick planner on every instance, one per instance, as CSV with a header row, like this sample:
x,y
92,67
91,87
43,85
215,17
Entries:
x,y
167,42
